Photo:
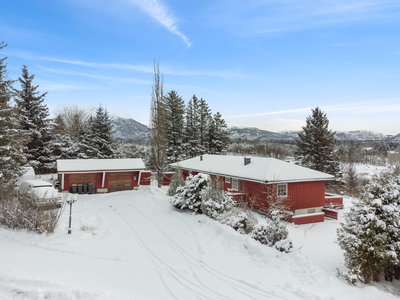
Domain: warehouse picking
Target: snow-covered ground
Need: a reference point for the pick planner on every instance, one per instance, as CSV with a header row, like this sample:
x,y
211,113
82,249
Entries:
x,y
134,245
367,171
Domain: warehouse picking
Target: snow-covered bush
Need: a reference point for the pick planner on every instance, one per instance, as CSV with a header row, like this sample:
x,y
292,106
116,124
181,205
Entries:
x,y
239,220
269,233
189,196
370,235
176,181
215,201
284,245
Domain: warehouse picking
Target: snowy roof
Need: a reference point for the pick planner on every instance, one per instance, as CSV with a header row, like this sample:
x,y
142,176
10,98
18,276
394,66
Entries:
x,y
259,169
80,165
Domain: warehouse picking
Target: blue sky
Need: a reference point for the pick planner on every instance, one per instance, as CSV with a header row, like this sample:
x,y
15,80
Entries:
x,y
259,63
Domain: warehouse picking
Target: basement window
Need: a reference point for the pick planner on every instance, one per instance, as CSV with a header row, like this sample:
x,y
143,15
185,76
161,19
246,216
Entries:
x,y
227,179
234,184
282,190
311,210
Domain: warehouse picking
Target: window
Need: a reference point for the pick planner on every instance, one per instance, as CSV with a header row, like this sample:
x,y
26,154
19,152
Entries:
x,y
227,179
282,190
240,185
234,184
311,210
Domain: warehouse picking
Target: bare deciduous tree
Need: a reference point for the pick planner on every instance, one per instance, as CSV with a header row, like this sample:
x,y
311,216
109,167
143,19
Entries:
x,y
74,119
158,133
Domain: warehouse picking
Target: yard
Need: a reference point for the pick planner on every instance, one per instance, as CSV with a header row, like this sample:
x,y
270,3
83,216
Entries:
x,y
134,245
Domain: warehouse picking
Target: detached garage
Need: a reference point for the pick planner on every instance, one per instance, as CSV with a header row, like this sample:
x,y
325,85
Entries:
x,y
101,175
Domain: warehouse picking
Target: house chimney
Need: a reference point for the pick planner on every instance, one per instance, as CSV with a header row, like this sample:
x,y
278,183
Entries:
x,y
201,157
247,160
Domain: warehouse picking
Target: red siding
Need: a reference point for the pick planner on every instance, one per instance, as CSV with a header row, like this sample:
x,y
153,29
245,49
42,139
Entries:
x,y
330,213
307,194
167,178
99,180
307,219
334,199
300,194
145,178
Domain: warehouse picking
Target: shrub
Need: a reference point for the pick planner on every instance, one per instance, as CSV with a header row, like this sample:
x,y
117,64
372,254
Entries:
x,y
284,245
269,233
23,213
239,220
189,196
215,201
176,182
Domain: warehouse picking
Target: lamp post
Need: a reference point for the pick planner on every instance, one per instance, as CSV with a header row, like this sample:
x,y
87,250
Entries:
x,y
70,201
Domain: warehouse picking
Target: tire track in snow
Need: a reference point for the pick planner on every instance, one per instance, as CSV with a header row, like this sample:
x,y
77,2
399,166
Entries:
x,y
153,258
232,282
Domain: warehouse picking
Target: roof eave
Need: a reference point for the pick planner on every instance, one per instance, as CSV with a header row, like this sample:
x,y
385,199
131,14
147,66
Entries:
x,y
255,180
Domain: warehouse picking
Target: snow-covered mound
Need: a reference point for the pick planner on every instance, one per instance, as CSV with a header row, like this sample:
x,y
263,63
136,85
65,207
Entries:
x,y
135,245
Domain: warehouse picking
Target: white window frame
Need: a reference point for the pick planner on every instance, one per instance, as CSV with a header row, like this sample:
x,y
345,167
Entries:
x,y
227,180
235,182
286,189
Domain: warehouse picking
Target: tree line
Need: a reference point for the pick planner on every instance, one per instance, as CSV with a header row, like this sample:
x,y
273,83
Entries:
x,y
28,136
179,131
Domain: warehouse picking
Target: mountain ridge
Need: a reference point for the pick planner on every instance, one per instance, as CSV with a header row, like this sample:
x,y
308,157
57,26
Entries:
x,y
128,129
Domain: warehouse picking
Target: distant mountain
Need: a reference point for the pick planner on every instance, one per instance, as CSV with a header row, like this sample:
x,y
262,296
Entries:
x,y
129,129
361,135
125,128
256,134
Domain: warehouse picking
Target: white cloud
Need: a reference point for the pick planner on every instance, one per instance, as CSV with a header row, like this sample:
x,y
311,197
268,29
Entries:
x,y
161,13
358,107
138,68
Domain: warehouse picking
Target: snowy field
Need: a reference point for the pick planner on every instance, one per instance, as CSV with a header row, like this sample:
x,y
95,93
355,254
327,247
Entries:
x,y
134,245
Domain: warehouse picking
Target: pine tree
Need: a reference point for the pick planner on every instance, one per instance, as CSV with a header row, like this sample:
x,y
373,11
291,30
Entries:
x,y
174,115
351,180
218,134
204,126
97,140
316,145
34,119
158,132
63,146
193,128
370,235
11,138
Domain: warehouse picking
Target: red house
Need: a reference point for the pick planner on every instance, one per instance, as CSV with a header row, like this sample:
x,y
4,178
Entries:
x,y
258,180
103,175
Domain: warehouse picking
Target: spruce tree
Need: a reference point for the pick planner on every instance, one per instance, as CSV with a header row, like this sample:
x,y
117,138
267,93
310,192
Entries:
x,y
174,115
11,138
34,119
63,146
218,134
97,139
204,126
316,145
192,128
370,236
